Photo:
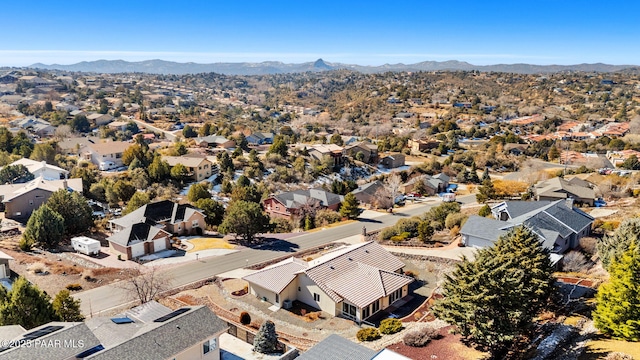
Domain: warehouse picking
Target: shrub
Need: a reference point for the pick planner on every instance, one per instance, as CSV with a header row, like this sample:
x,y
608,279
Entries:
x,y
25,244
455,219
368,334
397,238
245,318
610,225
416,338
326,217
417,315
574,261
484,211
387,233
407,225
390,326
74,287
618,356
411,273
588,244
454,231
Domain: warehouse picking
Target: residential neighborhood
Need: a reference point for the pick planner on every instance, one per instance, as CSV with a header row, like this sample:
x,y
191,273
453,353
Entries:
x,y
326,213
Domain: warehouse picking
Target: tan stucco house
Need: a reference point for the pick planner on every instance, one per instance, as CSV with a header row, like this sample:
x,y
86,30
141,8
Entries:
x,y
354,282
199,167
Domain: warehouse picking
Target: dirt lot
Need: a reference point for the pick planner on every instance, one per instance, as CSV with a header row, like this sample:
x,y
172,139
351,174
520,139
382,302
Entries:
x,y
52,272
447,346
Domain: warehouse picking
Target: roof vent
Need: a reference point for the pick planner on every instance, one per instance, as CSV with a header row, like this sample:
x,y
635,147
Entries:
x,y
350,259
331,267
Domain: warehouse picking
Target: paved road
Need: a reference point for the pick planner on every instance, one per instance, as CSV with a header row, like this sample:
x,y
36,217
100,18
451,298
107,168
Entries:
x,y
110,296
167,134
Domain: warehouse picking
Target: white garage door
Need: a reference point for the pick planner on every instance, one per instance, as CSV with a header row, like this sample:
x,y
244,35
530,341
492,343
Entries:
x,y
159,245
137,250
3,273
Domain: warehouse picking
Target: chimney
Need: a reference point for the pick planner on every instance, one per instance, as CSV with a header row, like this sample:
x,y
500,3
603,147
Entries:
x,y
569,202
64,184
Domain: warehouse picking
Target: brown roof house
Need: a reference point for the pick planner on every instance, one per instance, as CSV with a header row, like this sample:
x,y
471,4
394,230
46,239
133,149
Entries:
x,y
148,229
392,161
559,188
199,167
288,204
368,193
20,200
369,151
354,282
215,141
320,151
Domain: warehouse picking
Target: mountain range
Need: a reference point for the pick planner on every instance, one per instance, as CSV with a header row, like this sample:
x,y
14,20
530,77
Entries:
x,y
276,67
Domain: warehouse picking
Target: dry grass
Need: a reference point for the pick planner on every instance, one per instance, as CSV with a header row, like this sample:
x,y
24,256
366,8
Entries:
x,y
209,243
597,349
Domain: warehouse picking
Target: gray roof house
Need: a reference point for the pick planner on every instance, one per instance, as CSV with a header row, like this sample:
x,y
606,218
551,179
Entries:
x,y
335,347
366,193
149,331
559,225
354,281
288,203
73,338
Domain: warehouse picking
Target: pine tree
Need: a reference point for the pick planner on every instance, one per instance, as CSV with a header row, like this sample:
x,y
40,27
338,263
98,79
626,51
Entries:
x,y
493,299
74,209
66,307
45,227
266,340
485,175
618,310
26,305
349,207
611,248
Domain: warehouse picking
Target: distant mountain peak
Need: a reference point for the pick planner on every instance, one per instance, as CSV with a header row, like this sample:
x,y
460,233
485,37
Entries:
x,y
320,64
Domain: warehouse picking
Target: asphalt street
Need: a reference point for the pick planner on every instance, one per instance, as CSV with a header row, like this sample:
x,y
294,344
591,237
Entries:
x,y
98,300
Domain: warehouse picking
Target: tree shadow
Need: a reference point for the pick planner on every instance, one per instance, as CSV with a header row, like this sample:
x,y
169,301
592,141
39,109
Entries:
x,y
273,244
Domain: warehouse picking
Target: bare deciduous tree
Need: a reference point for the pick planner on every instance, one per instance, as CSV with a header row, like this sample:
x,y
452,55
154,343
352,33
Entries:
x,y
393,184
145,285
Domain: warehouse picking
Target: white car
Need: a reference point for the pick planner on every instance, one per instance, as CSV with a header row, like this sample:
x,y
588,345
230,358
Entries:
x,y
107,165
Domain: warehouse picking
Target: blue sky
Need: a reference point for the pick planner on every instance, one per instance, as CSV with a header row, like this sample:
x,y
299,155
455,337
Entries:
x,y
358,32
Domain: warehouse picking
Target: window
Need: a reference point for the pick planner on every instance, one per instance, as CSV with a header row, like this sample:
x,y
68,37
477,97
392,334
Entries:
x,y
348,309
316,297
194,223
31,202
366,312
395,295
299,288
375,307
277,298
209,346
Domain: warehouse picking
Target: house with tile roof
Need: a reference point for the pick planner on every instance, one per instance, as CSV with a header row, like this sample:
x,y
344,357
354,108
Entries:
x,y
368,193
20,200
290,203
354,282
198,167
558,224
215,141
559,188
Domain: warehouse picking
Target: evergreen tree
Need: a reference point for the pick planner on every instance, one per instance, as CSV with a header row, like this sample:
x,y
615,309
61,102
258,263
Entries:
x,y
279,146
245,219
74,209
618,310
159,169
198,191
45,227
226,164
349,207
266,340
485,191
26,305
15,174
425,231
485,175
66,307
179,173
611,247
139,199
554,153
213,210
493,299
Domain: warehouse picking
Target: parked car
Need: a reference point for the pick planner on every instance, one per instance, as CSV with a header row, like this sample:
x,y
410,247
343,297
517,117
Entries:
x,y
600,203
